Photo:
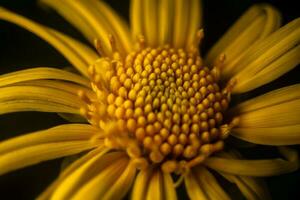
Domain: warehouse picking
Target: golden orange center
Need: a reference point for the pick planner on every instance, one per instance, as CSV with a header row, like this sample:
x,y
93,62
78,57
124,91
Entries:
x,y
160,102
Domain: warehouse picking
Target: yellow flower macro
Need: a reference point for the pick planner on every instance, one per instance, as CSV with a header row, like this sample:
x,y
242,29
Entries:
x,y
149,111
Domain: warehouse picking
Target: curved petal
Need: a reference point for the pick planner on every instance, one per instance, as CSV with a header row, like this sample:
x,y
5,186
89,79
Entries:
x,y
194,190
78,54
258,126
37,98
285,135
141,184
150,10
279,115
119,189
136,18
41,73
252,188
153,184
269,58
255,24
44,145
100,13
166,22
207,182
195,22
105,178
73,181
46,194
267,167
181,22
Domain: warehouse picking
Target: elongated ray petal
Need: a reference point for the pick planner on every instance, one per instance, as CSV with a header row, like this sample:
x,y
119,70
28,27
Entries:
x,y
252,188
69,170
74,51
153,184
44,145
141,184
41,73
271,57
72,16
119,189
15,95
150,10
155,190
102,181
181,22
72,182
257,23
169,188
136,18
68,132
194,189
284,135
275,97
35,105
267,167
280,66
210,184
119,27
281,127
195,21
283,114
38,153
166,23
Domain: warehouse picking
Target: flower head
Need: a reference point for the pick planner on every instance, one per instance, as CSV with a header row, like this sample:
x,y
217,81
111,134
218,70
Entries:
x,y
158,114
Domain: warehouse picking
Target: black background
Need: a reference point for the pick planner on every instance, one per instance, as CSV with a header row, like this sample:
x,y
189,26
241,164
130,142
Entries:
x,y
20,49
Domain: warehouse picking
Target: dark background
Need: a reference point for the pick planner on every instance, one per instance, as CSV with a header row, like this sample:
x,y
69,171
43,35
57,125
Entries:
x,y
20,49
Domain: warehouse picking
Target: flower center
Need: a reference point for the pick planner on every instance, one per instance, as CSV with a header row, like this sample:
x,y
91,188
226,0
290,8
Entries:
x,y
161,105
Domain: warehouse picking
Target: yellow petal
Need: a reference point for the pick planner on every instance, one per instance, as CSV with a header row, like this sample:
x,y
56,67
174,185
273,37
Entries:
x,y
74,181
181,22
194,189
251,188
271,72
72,16
264,167
35,105
195,21
69,170
74,51
166,23
265,54
41,152
58,85
119,27
153,184
41,73
283,114
284,135
150,22
136,18
103,181
209,184
155,188
275,97
14,95
141,184
68,132
169,188
119,189
255,24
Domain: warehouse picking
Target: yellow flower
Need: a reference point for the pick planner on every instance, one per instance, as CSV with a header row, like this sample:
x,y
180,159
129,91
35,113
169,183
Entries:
x,y
159,114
